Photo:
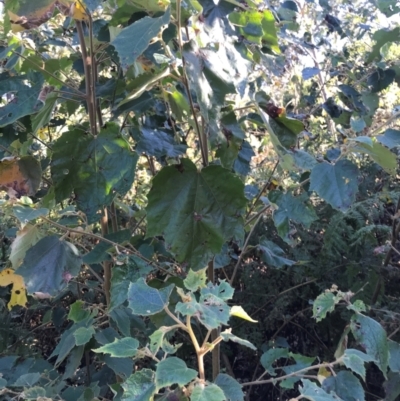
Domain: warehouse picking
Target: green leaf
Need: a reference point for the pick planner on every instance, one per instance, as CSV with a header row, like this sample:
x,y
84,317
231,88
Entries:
x,y
77,312
94,168
324,303
25,90
196,212
157,339
381,79
25,214
301,363
173,371
228,336
73,361
345,385
223,290
83,335
146,301
394,356
211,310
126,347
207,392
312,392
270,357
27,380
293,208
380,154
49,265
231,388
34,393
392,386
355,359
372,337
3,383
381,37
144,30
139,386
337,184
159,142
123,275
272,254
391,138
195,280
388,7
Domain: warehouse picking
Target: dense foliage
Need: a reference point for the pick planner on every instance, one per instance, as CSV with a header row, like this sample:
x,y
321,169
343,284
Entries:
x,y
201,200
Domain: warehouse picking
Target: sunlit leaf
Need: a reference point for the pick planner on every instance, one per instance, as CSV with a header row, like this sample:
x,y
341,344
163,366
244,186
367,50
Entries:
x,y
18,292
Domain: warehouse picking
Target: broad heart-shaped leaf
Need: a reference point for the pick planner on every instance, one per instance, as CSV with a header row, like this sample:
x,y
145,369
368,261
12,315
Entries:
x,y
222,290
324,303
123,275
20,176
173,371
269,357
272,254
144,30
196,212
140,386
126,347
345,385
94,168
159,142
336,184
25,91
291,208
231,388
49,265
391,138
83,335
145,300
312,392
207,392
355,359
372,337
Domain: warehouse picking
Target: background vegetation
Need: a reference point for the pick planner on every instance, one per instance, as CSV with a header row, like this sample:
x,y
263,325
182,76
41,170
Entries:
x,y
201,200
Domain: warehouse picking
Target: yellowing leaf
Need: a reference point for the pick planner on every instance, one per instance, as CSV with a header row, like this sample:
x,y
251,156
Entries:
x,y
18,292
78,11
20,176
323,373
238,311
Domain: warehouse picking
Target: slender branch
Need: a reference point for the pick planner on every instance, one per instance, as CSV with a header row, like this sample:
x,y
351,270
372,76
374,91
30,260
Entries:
x,y
243,252
173,317
293,374
265,186
264,209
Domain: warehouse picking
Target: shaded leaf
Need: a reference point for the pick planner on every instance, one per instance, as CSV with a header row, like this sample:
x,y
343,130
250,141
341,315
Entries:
x,y
372,337
228,336
270,357
173,371
94,168
49,265
355,359
145,300
209,392
312,392
208,204
391,138
272,254
381,79
140,386
345,385
231,388
336,184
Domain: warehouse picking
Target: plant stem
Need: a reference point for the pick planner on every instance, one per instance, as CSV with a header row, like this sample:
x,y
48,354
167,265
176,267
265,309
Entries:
x,y
107,265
